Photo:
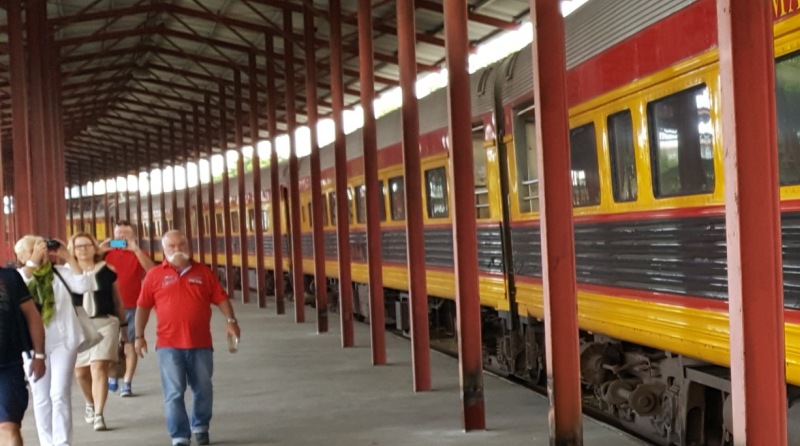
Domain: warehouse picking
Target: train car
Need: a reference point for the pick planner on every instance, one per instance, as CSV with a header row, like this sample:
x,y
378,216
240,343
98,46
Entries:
x,y
647,171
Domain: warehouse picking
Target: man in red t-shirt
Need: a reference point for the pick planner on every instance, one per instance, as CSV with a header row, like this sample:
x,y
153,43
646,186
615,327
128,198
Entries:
x,y
131,264
182,292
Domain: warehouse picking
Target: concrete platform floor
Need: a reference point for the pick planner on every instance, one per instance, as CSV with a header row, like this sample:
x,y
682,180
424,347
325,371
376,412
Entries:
x,y
288,385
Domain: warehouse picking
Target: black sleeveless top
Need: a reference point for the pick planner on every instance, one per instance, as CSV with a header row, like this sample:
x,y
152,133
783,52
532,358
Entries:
x,y
104,296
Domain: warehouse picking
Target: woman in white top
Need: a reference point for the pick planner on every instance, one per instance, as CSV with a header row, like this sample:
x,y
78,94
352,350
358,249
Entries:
x,y
105,308
52,395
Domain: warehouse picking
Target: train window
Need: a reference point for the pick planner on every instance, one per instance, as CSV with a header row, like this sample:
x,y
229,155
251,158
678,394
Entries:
x,y
332,200
158,228
234,222
206,222
623,160
584,169
480,161
524,123
350,199
170,224
361,204
220,223
681,143
436,193
382,200
787,100
251,220
397,198
265,220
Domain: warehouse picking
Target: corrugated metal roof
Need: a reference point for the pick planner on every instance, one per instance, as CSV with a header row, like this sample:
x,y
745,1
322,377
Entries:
x,y
130,67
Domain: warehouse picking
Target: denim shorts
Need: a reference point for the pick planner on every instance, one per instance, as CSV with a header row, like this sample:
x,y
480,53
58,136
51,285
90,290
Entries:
x,y
13,393
130,319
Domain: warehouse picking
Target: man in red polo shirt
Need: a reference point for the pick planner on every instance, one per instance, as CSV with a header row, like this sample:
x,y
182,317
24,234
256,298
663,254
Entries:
x,y
131,264
182,292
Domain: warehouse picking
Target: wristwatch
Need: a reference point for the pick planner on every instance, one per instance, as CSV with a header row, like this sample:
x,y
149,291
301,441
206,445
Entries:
x,y
31,264
232,320
39,356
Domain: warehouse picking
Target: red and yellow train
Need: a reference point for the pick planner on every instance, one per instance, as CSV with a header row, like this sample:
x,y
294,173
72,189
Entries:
x,y
648,201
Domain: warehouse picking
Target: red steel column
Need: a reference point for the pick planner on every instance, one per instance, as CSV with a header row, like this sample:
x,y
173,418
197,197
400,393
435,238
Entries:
x,y
132,163
558,244
71,211
93,199
139,198
258,228
82,227
465,250
24,207
151,222
226,194
377,322
294,177
56,131
23,181
173,154
212,207
187,199
117,196
239,136
106,211
162,198
316,174
6,253
753,221
42,168
274,173
412,169
198,193
340,155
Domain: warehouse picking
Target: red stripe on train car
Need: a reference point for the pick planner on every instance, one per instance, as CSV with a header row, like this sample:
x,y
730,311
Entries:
x,y
688,32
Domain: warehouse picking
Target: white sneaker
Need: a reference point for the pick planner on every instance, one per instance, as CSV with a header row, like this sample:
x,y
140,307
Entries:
x,y
88,414
99,423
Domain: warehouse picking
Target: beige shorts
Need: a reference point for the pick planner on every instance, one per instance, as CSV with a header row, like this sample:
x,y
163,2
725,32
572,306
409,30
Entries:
x,y
108,348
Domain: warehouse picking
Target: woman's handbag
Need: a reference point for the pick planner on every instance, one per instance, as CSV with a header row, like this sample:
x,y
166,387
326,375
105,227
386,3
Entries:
x,y
91,336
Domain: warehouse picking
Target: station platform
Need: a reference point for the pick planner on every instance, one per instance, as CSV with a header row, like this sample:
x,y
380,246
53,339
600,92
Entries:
x,y
288,385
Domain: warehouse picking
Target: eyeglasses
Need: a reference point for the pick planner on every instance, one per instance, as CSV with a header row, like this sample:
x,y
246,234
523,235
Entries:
x,y
84,246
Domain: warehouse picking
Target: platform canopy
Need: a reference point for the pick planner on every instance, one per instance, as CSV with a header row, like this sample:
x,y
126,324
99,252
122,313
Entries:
x,y
128,67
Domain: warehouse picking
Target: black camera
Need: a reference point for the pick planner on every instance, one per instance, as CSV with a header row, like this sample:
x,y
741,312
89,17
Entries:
x,y
52,244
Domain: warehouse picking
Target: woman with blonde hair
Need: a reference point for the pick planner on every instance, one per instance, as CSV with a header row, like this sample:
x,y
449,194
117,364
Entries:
x,y
49,286
105,308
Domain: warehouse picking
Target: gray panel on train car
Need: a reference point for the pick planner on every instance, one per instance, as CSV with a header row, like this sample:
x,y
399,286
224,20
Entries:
x,y
600,24
482,88
269,244
307,241
439,248
490,259
331,245
590,30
